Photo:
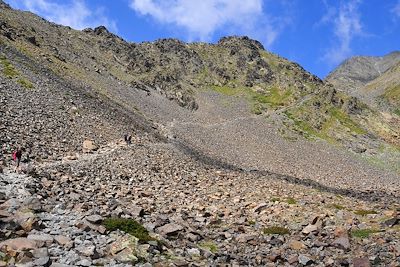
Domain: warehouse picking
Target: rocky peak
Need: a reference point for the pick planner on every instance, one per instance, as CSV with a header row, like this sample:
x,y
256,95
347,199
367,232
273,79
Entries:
x,y
170,45
393,54
4,5
102,31
357,71
233,41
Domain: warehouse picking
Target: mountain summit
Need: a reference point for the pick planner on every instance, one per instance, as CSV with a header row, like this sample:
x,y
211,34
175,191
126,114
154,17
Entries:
x,y
372,79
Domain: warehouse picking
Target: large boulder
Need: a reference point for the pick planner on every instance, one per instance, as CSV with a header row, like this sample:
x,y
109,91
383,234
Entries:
x,y
89,146
12,247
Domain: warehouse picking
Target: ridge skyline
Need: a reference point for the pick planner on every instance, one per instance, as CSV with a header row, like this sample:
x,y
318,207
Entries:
x,y
319,35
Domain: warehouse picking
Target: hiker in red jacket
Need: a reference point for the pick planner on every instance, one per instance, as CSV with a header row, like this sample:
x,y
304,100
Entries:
x,y
17,155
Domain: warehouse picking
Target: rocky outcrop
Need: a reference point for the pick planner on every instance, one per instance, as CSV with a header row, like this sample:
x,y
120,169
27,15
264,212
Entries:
x,y
4,5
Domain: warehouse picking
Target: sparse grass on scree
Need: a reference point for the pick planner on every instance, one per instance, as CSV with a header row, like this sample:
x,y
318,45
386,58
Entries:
x,y
259,102
25,83
364,233
365,212
338,207
393,94
276,230
8,69
209,245
10,72
128,226
291,201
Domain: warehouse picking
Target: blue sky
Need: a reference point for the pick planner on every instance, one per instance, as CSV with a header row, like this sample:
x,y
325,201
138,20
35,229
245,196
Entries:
x,y
318,34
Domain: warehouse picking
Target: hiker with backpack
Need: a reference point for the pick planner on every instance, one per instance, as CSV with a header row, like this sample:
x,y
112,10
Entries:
x,y
17,155
128,139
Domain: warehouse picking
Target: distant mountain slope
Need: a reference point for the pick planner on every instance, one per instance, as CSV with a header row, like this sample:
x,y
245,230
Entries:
x,y
386,89
357,74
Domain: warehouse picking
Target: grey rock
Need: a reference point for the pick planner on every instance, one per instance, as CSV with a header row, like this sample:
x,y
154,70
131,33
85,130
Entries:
x,y
310,228
44,261
42,238
260,207
391,222
170,229
342,242
33,203
361,262
40,253
304,260
84,262
193,252
63,241
135,211
94,218
88,251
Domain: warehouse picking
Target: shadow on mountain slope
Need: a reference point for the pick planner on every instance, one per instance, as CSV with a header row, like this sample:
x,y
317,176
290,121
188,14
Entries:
x,y
368,195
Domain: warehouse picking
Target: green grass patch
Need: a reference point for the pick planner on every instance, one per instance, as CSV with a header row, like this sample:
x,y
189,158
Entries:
x,y
338,207
275,97
335,118
346,121
8,69
364,233
226,90
365,212
273,61
25,83
397,112
259,101
4,257
275,199
276,230
169,256
303,127
209,245
257,109
129,226
324,132
393,94
291,201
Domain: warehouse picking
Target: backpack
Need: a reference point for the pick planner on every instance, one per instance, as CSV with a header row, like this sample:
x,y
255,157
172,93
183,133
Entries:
x,y
14,155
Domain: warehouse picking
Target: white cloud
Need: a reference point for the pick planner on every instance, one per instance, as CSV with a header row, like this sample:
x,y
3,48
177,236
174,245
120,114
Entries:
x,y
74,13
347,25
396,9
201,19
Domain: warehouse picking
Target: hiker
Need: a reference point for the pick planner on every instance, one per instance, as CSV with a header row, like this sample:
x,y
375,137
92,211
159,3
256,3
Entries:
x,y
126,138
17,155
